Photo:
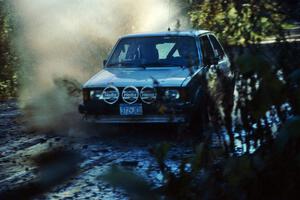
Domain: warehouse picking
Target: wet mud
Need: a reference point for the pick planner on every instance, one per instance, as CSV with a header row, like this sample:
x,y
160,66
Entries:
x,y
64,165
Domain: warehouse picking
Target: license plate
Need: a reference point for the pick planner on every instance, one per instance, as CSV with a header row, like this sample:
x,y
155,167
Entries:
x,y
133,109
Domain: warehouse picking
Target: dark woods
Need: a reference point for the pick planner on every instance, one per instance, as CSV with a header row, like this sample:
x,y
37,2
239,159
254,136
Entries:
x,y
261,40
263,46
8,75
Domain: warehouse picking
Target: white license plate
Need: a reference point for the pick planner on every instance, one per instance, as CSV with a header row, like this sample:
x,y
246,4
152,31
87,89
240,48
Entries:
x,y
131,109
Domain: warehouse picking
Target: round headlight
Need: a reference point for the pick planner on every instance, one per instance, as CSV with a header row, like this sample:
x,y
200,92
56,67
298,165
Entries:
x,y
148,94
130,94
172,94
110,94
96,94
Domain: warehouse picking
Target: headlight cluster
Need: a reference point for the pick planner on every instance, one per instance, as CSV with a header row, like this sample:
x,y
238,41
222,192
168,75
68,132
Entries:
x,y
172,94
131,94
96,94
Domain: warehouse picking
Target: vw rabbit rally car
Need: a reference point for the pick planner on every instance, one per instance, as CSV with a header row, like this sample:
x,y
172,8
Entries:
x,y
155,78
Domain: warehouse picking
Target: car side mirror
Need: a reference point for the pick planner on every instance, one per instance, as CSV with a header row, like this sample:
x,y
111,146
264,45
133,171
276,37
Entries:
x,y
104,62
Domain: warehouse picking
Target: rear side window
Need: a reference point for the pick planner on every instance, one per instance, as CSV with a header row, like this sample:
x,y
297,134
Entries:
x,y
207,50
217,46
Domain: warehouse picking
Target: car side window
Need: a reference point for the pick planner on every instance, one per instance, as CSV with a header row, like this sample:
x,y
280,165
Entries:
x,y
207,50
219,52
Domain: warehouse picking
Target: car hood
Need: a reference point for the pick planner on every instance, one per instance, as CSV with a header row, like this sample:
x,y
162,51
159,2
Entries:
x,y
139,77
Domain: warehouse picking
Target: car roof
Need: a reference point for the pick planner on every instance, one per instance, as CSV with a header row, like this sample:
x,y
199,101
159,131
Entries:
x,y
193,33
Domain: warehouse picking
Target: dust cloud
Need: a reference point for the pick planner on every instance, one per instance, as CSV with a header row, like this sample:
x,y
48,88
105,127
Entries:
x,y
61,43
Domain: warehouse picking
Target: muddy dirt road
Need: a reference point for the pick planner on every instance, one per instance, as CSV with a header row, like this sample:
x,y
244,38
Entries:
x,y
23,158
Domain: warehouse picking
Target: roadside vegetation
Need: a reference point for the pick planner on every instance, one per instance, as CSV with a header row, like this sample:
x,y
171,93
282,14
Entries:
x,y
8,59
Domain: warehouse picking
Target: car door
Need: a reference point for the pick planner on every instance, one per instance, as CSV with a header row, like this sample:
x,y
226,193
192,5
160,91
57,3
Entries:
x,y
223,61
224,97
214,65
207,51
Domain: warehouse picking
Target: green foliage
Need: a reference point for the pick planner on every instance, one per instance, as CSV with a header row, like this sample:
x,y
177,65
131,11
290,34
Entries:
x,y
160,153
242,25
193,179
259,86
270,173
238,22
8,75
289,137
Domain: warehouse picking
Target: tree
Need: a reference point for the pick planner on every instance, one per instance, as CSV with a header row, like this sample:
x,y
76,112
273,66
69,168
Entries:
x,y
267,75
238,22
8,77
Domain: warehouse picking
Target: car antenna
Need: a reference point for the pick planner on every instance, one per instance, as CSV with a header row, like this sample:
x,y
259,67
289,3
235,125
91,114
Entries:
x,y
169,15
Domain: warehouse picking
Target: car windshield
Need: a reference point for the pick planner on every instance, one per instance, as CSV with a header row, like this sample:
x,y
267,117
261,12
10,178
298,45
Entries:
x,y
159,51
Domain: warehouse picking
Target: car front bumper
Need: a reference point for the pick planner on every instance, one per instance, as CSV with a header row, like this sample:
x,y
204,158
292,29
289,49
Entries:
x,y
90,114
145,119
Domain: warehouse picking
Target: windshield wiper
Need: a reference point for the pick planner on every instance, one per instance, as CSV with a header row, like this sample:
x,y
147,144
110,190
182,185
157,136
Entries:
x,y
121,63
161,64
